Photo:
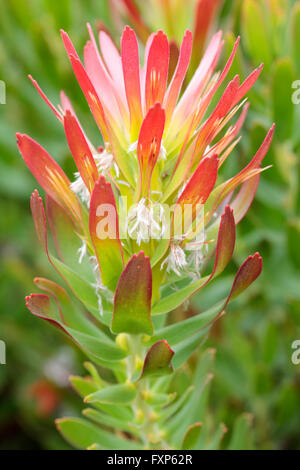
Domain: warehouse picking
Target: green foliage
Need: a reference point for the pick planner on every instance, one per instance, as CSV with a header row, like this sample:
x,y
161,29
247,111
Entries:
x,y
253,371
254,342
29,34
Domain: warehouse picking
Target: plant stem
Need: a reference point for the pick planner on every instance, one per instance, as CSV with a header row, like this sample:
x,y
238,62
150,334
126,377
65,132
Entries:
x,y
144,412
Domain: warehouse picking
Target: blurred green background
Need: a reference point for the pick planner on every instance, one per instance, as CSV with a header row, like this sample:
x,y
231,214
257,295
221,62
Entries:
x,y
253,372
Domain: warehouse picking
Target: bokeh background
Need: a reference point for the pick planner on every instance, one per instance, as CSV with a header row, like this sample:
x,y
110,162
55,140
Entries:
x,y
253,373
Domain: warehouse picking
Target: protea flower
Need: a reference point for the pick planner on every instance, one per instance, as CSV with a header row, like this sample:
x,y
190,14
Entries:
x,y
160,150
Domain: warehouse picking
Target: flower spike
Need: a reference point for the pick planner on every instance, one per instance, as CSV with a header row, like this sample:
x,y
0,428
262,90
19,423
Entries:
x,y
153,214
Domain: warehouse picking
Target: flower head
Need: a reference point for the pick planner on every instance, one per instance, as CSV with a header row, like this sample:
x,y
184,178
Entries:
x,y
136,230
163,149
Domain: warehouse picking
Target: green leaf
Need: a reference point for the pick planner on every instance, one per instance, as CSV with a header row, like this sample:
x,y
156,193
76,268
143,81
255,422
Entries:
x,y
106,420
295,34
237,65
71,316
185,349
159,399
241,437
180,331
171,302
83,386
91,368
255,33
99,345
160,251
116,394
104,232
175,407
187,415
246,275
86,387
217,439
81,434
191,437
224,251
283,106
81,288
67,241
103,349
94,447
158,360
132,304
293,237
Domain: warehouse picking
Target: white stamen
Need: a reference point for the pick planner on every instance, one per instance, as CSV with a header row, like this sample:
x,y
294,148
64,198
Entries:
x,y
144,224
123,182
100,289
98,286
82,252
79,188
159,193
94,262
176,260
181,190
100,304
132,147
162,153
105,161
198,251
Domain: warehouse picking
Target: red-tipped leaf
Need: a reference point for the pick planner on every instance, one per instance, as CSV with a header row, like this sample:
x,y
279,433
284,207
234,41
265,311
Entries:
x,y
48,174
149,145
196,192
81,151
226,241
46,99
157,69
246,275
132,304
158,360
86,86
131,72
104,232
180,72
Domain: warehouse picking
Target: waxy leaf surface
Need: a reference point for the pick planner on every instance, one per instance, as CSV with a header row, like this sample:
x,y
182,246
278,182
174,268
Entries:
x,y
132,306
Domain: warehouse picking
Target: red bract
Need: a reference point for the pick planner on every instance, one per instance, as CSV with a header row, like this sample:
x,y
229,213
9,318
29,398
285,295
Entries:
x,y
135,232
161,157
